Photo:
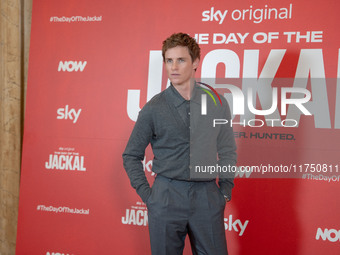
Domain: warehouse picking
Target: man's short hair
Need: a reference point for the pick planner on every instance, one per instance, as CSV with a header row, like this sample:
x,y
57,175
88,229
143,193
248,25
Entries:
x,y
185,40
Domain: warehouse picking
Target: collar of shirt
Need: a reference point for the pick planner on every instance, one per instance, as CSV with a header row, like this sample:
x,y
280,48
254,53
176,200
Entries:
x,y
178,100
176,97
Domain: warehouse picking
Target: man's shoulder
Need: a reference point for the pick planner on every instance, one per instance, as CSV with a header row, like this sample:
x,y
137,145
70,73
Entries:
x,y
157,100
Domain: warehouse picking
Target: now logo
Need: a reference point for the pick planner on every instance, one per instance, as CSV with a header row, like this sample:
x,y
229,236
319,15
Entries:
x,y
331,235
72,66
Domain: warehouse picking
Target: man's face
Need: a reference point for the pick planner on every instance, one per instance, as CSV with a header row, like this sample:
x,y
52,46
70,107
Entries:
x,y
179,65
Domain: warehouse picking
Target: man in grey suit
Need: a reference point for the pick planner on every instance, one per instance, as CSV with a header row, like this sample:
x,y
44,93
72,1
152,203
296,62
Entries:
x,y
184,199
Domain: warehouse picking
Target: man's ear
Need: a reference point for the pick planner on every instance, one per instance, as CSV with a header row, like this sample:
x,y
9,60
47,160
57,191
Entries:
x,y
195,63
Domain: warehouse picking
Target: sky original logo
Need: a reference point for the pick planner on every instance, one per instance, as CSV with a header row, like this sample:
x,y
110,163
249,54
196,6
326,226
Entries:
x,y
72,66
252,14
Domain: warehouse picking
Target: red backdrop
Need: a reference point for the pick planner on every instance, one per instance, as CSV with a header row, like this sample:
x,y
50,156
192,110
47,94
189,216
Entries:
x,y
94,64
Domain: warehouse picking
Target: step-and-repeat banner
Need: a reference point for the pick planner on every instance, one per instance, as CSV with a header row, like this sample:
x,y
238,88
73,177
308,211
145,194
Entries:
x,y
94,64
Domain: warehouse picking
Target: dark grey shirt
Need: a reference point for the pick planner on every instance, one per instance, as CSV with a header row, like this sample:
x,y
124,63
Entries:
x,y
182,141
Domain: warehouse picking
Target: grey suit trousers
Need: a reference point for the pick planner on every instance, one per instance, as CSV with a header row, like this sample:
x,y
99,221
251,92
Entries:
x,y
177,208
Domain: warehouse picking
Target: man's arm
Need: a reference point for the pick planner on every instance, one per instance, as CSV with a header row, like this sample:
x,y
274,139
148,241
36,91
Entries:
x,y
226,149
134,153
